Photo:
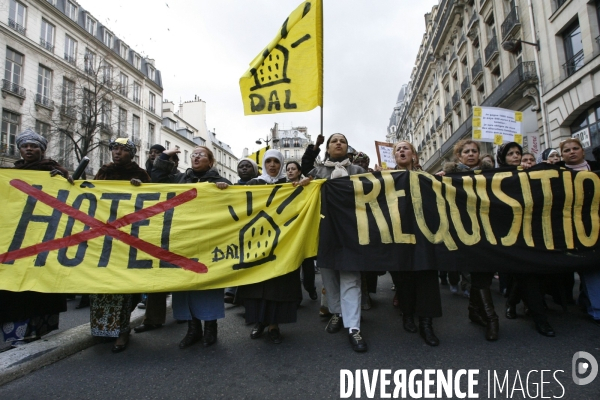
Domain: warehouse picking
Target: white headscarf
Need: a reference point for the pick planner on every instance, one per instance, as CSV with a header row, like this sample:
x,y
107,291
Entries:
x,y
272,154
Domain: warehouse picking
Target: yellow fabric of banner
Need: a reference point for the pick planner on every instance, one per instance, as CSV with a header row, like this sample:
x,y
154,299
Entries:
x,y
287,75
56,237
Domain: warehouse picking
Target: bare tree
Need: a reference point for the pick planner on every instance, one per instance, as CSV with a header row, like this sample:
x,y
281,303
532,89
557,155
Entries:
x,y
91,112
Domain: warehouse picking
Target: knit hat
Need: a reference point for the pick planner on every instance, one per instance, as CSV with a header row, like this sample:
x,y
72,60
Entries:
x,y
125,142
251,161
157,147
30,136
361,156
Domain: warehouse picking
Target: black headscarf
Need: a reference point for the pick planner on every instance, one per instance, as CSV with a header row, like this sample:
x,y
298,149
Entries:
x,y
503,150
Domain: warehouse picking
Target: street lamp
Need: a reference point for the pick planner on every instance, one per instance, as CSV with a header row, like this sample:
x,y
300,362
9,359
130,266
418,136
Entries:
x,y
267,140
513,45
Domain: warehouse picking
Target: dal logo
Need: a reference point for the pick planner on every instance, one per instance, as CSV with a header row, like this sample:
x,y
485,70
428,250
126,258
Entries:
x,y
260,236
581,368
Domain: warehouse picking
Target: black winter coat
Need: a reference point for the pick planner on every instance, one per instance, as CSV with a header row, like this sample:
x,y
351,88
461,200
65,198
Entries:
x,y
162,173
282,288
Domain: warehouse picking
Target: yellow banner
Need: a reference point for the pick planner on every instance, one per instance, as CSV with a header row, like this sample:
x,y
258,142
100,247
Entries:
x,y
112,237
288,74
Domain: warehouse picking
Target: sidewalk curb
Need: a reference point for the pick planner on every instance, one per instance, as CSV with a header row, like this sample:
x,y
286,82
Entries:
x,y
22,360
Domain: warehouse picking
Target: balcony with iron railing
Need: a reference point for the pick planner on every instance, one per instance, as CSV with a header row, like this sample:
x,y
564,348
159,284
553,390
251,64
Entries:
x,y
523,75
44,101
465,85
453,58
448,109
491,50
123,90
455,99
445,72
70,59
438,123
8,149
13,88
574,63
47,45
152,108
477,69
17,27
68,111
559,4
473,21
105,127
461,41
511,23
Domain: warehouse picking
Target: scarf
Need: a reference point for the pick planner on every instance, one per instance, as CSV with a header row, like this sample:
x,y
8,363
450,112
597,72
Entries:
x,y
584,166
272,154
339,170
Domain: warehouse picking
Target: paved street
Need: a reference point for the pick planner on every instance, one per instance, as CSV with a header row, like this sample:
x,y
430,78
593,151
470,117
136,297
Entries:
x,y
308,363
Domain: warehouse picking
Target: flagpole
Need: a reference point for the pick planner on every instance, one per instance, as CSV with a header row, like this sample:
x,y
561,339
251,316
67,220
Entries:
x,y
322,64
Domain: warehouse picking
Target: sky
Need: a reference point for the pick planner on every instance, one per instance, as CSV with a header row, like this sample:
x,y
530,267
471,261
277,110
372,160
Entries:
x,y
202,48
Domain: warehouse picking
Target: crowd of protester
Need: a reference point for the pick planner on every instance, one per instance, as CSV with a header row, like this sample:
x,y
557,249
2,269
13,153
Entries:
x,y
27,316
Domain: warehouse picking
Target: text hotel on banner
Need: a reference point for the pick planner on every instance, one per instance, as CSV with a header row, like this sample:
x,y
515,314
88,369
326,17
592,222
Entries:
x,y
288,74
112,237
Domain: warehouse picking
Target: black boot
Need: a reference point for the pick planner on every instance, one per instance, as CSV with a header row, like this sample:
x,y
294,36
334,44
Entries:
x,y
210,333
493,325
194,333
511,310
426,331
513,298
476,313
408,322
84,302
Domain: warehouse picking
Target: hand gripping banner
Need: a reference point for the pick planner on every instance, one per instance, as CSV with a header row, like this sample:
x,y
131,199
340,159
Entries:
x,y
112,237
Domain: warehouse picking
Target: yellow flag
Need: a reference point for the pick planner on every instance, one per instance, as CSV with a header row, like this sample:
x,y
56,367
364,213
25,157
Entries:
x,y
257,157
288,74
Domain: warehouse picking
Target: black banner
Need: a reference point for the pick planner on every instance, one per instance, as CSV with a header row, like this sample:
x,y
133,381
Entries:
x,y
545,219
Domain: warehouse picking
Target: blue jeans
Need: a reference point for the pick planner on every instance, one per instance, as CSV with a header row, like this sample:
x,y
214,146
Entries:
x,y
591,286
206,305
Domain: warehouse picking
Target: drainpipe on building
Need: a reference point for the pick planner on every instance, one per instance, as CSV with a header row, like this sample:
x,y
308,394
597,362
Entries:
x,y
539,74
143,121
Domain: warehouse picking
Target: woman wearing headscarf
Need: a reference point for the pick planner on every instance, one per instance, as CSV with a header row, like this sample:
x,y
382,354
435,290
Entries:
x,y
110,313
481,306
27,316
247,170
549,156
509,155
194,306
274,301
574,158
342,287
